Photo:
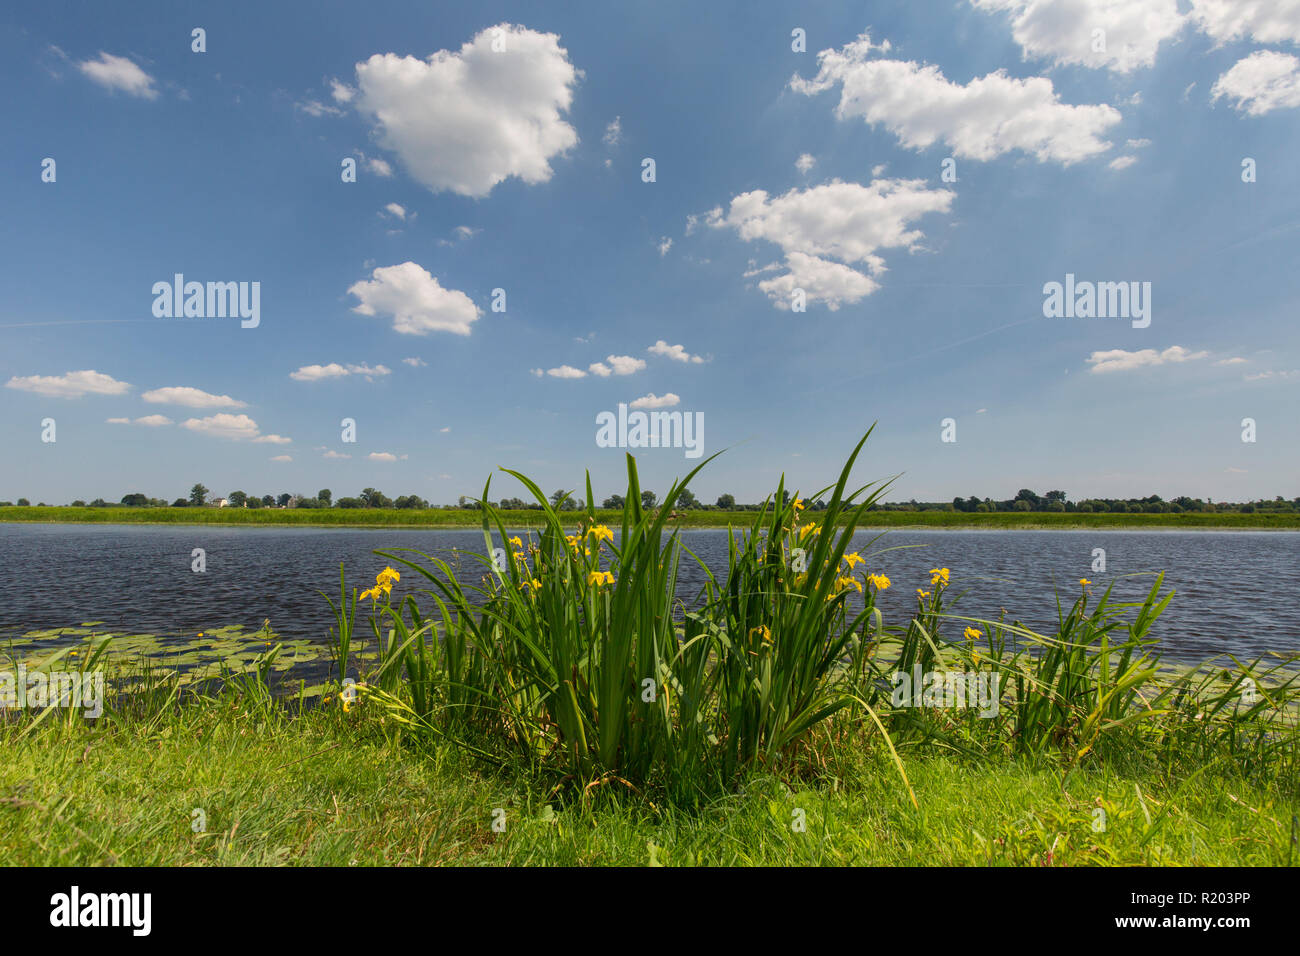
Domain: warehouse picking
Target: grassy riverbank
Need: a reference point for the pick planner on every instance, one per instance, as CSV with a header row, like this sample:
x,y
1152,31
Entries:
x,y
695,518
332,789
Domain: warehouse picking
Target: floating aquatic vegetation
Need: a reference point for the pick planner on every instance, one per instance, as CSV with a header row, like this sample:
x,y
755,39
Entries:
x,y
212,654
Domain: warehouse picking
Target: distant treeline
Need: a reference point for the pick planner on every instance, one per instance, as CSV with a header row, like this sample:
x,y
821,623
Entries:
x,y
1025,500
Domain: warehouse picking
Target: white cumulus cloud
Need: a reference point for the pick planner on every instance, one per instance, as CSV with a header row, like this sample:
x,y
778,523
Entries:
x,y
625,364
845,221
1260,83
616,365
1264,21
821,280
464,121
416,301
983,119
1066,31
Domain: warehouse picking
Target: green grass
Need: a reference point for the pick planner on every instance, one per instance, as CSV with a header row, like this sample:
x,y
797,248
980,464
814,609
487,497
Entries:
x,y
328,789
704,518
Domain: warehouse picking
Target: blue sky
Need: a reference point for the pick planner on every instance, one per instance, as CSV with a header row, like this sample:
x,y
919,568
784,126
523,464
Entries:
x,y
522,169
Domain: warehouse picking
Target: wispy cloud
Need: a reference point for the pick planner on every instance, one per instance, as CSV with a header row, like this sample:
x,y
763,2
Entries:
x,y
317,373
652,400
675,352
1118,360
70,384
118,74
613,132
223,425
152,421
565,371
190,398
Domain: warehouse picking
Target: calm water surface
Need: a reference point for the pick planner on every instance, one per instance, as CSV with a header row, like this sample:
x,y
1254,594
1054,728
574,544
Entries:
x,y
1236,591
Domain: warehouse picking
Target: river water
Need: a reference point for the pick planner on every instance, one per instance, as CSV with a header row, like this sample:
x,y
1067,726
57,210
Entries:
x,y
1236,591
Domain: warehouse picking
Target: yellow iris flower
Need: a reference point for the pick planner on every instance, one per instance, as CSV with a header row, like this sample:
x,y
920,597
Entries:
x,y
383,584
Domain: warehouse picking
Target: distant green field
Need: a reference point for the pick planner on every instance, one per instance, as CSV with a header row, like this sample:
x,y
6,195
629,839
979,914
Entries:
x,y
463,518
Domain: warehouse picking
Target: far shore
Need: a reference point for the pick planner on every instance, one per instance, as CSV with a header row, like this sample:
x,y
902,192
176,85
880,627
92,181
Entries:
x,y
442,518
